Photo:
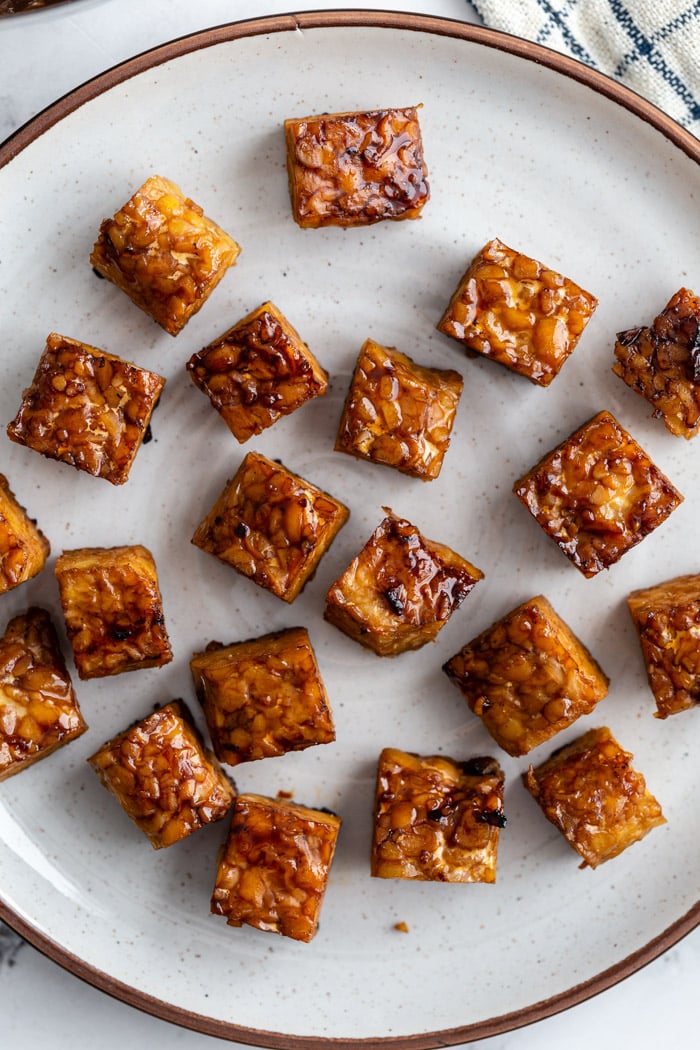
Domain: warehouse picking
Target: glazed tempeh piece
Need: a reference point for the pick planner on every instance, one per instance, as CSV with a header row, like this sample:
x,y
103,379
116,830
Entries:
x,y
23,546
273,870
353,169
437,819
271,525
597,494
662,363
400,590
162,250
263,697
399,413
113,610
163,777
527,677
38,707
257,371
667,618
591,793
518,312
87,408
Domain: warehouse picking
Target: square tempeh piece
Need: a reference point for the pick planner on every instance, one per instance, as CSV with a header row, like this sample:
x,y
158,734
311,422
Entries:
x,y
263,697
38,708
527,677
662,363
163,777
400,590
257,371
162,250
271,525
518,312
590,792
273,869
399,413
436,819
23,546
597,494
353,169
113,610
667,618
87,408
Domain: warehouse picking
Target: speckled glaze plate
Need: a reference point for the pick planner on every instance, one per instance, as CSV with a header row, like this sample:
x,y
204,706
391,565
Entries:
x,y
521,144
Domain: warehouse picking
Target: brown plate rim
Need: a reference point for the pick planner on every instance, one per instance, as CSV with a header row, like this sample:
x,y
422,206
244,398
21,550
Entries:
x,y
349,18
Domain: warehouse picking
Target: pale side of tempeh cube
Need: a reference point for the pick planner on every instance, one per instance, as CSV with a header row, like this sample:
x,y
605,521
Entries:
x,y
271,526
662,363
257,371
263,697
23,546
597,494
527,677
437,819
162,250
399,413
518,312
590,792
163,777
38,707
667,618
113,609
400,590
353,169
273,869
87,408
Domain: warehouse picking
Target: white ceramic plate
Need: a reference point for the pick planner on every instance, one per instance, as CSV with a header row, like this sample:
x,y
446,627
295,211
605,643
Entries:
x,y
552,159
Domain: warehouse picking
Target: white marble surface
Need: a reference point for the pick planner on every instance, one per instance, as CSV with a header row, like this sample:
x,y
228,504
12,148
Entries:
x,y
42,56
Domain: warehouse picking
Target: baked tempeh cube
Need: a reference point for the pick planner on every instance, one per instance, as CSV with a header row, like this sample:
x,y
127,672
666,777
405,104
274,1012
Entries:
x,y
273,869
263,697
667,618
436,819
527,677
162,250
597,494
38,708
271,525
87,408
662,363
113,610
257,372
400,590
163,777
518,312
590,792
23,546
353,169
399,413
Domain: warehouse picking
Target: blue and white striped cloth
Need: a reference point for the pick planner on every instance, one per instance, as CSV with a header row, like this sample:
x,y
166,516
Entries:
x,y
652,46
